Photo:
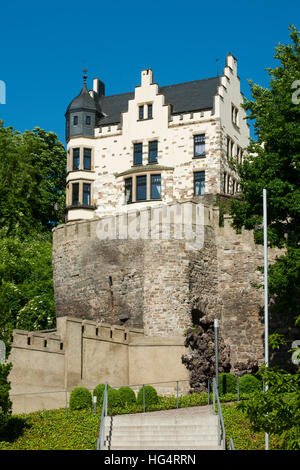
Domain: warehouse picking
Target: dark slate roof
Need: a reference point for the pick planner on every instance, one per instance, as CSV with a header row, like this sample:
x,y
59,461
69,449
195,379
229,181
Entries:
x,y
183,97
83,101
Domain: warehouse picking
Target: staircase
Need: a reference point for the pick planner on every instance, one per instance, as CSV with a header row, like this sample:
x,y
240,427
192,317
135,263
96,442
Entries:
x,y
194,428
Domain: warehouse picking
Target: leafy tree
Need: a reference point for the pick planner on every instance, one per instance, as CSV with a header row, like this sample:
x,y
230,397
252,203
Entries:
x,y
26,285
32,180
273,163
277,411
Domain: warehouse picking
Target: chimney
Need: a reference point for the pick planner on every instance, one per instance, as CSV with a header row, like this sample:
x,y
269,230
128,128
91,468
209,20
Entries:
x,y
98,87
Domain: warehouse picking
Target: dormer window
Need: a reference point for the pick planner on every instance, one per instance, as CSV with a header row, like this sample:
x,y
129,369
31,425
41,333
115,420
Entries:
x,y
75,120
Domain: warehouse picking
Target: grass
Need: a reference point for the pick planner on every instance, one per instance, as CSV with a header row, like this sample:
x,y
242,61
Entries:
x,y
78,430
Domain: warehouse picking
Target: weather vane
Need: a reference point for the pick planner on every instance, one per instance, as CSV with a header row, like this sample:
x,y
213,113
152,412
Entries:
x,y
84,74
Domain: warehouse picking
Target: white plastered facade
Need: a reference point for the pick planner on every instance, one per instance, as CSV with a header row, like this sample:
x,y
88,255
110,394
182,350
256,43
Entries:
x,y
113,147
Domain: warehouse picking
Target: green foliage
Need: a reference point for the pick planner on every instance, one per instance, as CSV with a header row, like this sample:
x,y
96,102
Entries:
x,y
80,398
5,402
227,383
113,398
151,397
32,180
276,411
273,162
249,383
237,427
99,393
26,285
127,395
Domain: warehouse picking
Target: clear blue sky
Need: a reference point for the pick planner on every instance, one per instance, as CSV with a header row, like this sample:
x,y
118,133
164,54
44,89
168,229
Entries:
x,y
45,46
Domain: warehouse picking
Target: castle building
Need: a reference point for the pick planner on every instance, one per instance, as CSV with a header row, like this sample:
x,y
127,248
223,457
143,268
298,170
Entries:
x,y
154,145
143,256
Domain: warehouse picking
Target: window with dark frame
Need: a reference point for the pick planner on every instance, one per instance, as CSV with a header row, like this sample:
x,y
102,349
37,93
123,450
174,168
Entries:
x,y
199,145
128,190
88,120
75,194
228,184
152,156
155,186
141,112
141,188
75,120
199,183
87,159
224,183
138,154
234,114
76,158
150,111
86,194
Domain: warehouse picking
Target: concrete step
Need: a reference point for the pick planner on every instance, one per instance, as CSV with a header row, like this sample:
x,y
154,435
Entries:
x,y
160,438
178,447
178,429
164,421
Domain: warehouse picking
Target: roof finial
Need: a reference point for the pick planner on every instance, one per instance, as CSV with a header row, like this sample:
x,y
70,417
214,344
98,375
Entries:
x,y
84,75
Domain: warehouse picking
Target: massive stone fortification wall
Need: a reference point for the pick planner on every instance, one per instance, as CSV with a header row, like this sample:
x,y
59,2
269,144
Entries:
x,y
162,282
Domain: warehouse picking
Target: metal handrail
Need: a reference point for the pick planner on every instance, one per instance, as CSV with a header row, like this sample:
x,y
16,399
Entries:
x,y
220,416
100,440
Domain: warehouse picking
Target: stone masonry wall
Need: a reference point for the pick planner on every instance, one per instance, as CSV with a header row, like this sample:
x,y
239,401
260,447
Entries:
x,y
159,284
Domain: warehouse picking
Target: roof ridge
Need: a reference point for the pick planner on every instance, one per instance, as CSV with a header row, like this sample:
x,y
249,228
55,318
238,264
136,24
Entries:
x,y
163,87
190,81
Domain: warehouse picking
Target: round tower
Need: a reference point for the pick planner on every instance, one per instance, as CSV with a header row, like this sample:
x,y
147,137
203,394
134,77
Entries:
x,y
83,112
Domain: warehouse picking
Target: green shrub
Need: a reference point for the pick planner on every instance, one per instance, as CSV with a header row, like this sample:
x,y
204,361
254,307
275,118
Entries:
x,y
99,392
113,398
249,383
80,399
227,383
5,402
151,397
127,395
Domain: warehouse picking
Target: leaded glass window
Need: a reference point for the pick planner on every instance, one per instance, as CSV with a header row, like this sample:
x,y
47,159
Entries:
x,y
155,186
199,183
199,145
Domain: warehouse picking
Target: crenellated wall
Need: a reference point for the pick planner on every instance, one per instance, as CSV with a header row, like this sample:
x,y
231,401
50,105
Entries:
x,y
86,353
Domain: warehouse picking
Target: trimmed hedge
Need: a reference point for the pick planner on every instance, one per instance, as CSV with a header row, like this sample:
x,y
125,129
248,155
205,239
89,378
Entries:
x,y
113,396
99,392
127,395
249,383
80,399
151,397
227,383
